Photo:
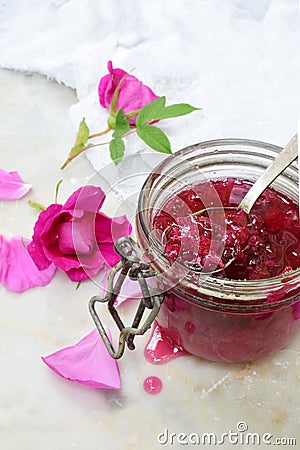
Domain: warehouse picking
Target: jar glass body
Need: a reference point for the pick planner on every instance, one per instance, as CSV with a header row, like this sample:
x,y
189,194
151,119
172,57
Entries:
x,y
219,319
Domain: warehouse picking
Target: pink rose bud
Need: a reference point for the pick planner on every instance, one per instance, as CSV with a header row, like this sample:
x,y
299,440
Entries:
x,y
133,94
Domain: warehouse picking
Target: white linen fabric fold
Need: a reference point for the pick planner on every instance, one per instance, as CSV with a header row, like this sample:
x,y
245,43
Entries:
x,y
237,59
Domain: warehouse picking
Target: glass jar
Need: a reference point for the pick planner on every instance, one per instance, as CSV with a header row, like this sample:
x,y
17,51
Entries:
x,y
219,319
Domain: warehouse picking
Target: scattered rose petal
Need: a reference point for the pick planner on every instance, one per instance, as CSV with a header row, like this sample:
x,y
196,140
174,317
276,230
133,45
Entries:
x,y
130,290
87,362
12,187
18,272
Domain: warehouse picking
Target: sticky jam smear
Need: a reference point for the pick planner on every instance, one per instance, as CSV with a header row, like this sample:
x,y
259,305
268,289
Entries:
x,y
163,347
153,385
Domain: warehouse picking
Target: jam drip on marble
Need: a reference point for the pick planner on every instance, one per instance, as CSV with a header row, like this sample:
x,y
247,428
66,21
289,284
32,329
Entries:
x,y
153,385
163,346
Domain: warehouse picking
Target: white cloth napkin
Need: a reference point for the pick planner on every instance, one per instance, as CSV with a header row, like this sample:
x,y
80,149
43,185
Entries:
x,y
237,59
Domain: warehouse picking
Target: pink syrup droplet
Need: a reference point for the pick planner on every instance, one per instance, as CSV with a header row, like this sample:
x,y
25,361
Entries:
x,y
161,347
153,385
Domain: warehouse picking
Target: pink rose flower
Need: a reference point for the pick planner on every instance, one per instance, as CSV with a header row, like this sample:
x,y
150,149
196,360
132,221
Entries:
x,y
76,237
133,93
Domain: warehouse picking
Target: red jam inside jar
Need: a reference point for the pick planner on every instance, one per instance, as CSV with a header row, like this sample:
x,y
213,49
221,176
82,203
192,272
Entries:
x,y
262,244
231,281
228,244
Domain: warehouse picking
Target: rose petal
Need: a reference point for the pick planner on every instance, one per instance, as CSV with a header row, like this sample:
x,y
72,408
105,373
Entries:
x,y
50,244
130,289
76,237
133,93
86,198
87,362
88,266
12,187
130,292
35,248
62,262
108,84
108,230
108,253
18,272
78,274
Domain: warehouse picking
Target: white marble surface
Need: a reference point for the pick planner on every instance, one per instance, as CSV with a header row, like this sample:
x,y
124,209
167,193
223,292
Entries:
x,y
39,410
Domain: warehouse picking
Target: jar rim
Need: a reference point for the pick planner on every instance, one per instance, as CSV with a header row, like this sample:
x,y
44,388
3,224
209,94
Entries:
x,y
244,289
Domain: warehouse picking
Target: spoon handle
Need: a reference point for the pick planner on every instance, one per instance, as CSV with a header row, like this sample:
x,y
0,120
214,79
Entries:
x,y
281,162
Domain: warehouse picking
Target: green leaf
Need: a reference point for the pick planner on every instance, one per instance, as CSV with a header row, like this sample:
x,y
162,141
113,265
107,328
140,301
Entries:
x,y
57,190
180,109
150,111
76,150
132,113
121,126
79,146
116,148
155,138
157,110
24,243
36,205
111,122
114,102
83,133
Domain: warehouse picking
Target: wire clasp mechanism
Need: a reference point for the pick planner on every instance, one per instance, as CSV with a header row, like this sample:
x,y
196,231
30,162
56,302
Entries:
x,y
131,265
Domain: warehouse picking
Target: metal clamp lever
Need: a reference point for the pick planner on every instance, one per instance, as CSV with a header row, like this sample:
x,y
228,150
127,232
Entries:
x,y
130,265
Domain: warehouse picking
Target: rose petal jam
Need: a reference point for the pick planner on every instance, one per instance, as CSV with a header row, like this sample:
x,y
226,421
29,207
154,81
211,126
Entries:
x,y
262,244
228,243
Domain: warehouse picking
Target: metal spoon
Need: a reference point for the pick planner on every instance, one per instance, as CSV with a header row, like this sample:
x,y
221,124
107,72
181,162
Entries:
x,y
281,162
